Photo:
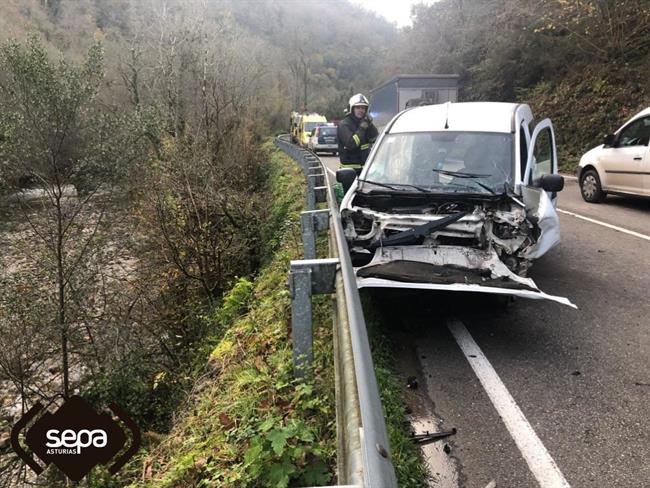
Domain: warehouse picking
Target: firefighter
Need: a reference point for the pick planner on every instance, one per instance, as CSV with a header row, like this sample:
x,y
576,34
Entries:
x,y
356,134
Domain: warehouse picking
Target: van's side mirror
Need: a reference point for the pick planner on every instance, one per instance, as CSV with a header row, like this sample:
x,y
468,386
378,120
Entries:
x,y
346,177
609,140
551,183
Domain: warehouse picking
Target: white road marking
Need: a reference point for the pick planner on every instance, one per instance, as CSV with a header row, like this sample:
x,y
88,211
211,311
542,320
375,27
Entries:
x,y
604,224
544,469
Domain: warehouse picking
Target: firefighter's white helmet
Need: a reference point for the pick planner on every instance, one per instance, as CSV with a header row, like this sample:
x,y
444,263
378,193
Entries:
x,y
358,100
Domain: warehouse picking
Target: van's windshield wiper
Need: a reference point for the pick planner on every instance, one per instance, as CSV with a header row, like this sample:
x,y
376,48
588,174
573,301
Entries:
x,y
460,174
383,185
391,186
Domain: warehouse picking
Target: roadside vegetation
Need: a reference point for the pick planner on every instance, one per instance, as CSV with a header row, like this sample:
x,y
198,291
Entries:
x,y
247,422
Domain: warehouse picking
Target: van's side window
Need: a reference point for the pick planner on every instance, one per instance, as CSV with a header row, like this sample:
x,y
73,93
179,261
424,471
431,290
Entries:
x,y
543,155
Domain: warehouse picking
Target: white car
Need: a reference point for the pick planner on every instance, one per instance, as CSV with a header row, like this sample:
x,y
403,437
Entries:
x,y
621,165
324,139
458,197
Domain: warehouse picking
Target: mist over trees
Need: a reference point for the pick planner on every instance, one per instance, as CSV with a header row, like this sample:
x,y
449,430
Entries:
x,y
332,49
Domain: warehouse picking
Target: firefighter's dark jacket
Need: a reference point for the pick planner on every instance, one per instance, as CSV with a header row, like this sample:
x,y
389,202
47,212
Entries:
x,y
354,141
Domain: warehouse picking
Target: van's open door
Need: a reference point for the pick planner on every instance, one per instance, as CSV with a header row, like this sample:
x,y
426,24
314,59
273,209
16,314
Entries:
x,y
540,205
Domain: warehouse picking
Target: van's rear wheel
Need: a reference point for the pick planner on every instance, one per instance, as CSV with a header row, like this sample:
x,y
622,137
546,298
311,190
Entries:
x,y
590,187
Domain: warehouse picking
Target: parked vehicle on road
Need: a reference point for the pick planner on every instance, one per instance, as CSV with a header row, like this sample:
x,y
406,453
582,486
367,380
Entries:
x,y
308,122
621,165
324,138
456,196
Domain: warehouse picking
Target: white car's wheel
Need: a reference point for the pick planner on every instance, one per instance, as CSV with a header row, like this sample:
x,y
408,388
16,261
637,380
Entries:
x,y
590,187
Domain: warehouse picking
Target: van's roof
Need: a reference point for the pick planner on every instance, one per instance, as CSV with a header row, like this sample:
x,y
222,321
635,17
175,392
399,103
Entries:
x,y
464,116
313,118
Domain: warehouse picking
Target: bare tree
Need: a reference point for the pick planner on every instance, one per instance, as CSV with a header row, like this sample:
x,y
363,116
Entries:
x,y
59,139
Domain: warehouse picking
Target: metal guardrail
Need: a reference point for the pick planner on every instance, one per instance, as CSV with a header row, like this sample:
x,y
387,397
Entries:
x,y
363,453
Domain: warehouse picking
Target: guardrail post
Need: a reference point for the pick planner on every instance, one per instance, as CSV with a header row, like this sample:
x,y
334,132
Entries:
x,y
312,222
310,197
309,161
301,326
320,194
306,278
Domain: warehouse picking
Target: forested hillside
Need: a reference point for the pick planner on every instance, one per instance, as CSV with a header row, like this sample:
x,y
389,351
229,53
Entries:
x,y
317,50
584,63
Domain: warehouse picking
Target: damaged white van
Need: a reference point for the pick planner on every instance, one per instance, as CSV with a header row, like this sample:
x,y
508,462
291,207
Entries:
x,y
457,196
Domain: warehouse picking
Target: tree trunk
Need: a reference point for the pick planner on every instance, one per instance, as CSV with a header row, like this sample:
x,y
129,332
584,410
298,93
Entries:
x,y
61,292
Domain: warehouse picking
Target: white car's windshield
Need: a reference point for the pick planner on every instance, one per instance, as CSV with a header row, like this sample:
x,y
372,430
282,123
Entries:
x,y
447,161
328,131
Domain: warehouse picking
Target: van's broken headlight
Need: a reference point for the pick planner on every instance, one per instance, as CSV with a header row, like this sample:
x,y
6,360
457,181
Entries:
x,y
364,226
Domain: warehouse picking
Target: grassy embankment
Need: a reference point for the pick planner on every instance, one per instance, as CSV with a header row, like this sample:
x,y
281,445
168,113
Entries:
x,y
247,422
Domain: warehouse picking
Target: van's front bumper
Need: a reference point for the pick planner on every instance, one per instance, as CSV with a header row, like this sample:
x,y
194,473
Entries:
x,y
450,268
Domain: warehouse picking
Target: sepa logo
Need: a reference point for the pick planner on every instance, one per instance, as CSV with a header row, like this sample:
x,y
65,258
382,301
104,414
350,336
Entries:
x,y
75,438
73,441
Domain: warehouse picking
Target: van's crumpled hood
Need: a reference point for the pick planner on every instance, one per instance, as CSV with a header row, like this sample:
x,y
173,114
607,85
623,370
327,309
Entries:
x,y
450,268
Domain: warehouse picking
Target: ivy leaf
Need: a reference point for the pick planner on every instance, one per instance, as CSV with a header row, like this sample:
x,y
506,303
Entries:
x,y
279,474
278,440
305,434
317,474
298,453
268,424
253,452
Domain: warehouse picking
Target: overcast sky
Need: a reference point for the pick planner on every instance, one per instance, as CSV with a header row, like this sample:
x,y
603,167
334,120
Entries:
x,y
395,11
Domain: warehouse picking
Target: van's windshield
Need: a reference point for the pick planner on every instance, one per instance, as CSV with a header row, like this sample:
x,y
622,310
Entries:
x,y
310,126
472,162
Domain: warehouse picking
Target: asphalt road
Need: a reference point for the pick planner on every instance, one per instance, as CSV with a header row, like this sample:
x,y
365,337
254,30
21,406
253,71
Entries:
x,y
581,378
629,213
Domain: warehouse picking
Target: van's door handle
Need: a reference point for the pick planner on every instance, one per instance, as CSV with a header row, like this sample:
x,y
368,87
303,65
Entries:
x,y
638,158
